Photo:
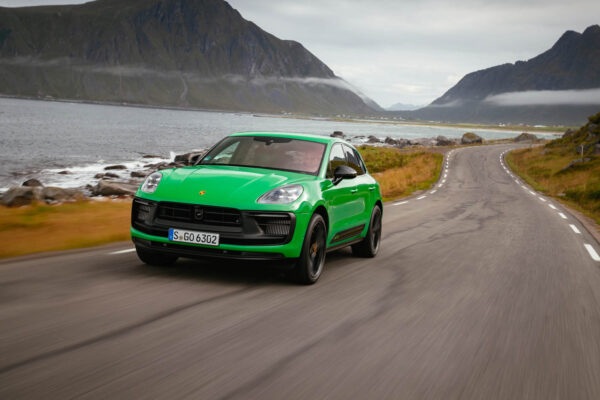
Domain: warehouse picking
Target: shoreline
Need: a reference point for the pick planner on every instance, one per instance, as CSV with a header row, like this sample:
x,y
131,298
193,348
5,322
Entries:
x,y
555,130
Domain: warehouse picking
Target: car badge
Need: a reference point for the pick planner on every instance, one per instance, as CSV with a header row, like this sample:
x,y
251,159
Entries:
x,y
198,213
202,192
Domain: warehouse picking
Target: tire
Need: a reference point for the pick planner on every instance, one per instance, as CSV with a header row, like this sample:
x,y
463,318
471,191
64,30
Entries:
x,y
369,246
151,257
309,266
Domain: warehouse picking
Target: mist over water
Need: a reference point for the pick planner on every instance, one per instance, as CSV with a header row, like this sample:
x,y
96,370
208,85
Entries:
x,y
40,138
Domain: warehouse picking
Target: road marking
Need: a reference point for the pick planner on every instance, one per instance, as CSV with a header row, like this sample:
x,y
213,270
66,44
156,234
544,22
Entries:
x,y
440,185
592,252
421,197
532,192
516,181
574,228
433,191
444,180
123,251
401,202
542,199
563,216
552,206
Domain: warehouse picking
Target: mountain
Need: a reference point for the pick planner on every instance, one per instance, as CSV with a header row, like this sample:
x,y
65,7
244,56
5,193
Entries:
x,y
537,91
188,53
402,107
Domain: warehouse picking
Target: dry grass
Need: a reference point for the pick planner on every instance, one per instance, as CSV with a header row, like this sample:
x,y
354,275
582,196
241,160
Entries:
x,y
39,228
578,186
401,173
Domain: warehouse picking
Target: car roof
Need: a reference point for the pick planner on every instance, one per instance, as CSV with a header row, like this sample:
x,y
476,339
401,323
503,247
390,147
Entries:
x,y
290,135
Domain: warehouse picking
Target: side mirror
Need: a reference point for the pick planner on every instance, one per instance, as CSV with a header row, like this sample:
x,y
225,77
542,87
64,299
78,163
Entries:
x,y
343,172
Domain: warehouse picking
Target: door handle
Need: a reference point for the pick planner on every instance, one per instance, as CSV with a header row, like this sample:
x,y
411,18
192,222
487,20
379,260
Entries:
x,y
372,188
353,191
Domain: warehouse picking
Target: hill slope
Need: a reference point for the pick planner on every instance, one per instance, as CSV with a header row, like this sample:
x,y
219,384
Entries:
x,y
573,63
191,53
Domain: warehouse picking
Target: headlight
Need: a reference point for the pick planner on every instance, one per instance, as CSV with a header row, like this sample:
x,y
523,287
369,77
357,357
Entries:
x,y
151,182
281,195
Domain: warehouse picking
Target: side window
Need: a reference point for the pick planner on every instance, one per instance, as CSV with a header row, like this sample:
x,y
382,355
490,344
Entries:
x,y
336,158
354,160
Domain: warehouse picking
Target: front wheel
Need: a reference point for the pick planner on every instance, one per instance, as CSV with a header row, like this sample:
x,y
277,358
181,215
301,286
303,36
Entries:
x,y
154,257
369,246
312,258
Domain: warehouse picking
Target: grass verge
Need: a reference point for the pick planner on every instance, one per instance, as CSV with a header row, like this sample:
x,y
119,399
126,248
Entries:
x,y
544,169
40,228
401,173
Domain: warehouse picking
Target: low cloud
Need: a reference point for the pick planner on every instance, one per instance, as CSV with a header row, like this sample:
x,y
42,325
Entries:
x,y
546,97
141,71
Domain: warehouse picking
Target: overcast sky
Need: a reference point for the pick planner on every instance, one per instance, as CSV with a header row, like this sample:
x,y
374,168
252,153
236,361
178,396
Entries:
x,y
412,51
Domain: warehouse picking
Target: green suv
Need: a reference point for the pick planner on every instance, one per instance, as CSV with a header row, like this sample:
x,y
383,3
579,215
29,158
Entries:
x,y
261,196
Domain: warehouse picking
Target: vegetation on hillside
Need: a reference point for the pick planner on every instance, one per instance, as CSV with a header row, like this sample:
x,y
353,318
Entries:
x,y
567,168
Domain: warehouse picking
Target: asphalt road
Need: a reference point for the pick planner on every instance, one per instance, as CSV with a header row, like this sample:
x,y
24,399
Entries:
x,y
481,290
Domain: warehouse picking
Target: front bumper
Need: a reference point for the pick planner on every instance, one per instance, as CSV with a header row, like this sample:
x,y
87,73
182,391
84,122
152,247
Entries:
x,y
251,239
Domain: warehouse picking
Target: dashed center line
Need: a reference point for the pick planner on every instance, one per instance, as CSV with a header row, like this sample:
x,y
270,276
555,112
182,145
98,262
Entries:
x,y
575,229
563,216
400,203
552,206
421,197
532,192
433,191
592,252
542,199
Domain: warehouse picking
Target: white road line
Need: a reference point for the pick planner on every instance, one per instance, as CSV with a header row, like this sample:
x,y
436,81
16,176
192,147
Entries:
x,y
516,181
433,191
542,199
592,252
400,202
122,251
574,228
552,206
533,193
563,216
440,185
421,197
443,180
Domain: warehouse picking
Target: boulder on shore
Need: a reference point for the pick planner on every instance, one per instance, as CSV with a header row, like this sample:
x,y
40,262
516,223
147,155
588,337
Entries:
x,y
58,195
108,168
24,195
373,139
188,158
444,141
21,196
138,174
338,134
526,137
109,188
471,138
32,183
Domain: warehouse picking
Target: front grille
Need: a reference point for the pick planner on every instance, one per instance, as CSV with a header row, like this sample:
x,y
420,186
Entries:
x,y
274,224
234,226
191,213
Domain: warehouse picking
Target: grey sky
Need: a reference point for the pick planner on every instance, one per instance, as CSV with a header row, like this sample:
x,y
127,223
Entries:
x,y
412,51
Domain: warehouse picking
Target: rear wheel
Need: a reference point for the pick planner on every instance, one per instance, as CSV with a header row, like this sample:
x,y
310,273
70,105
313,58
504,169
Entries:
x,y
312,258
152,257
369,246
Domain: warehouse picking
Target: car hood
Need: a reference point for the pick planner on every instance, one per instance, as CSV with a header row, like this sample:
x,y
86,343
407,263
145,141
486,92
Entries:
x,y
225,186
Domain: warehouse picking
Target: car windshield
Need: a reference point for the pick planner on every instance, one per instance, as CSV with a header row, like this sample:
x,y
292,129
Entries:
x,y
268,152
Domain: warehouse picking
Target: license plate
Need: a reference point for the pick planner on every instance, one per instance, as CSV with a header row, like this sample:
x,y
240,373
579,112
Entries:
x,y
206,238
